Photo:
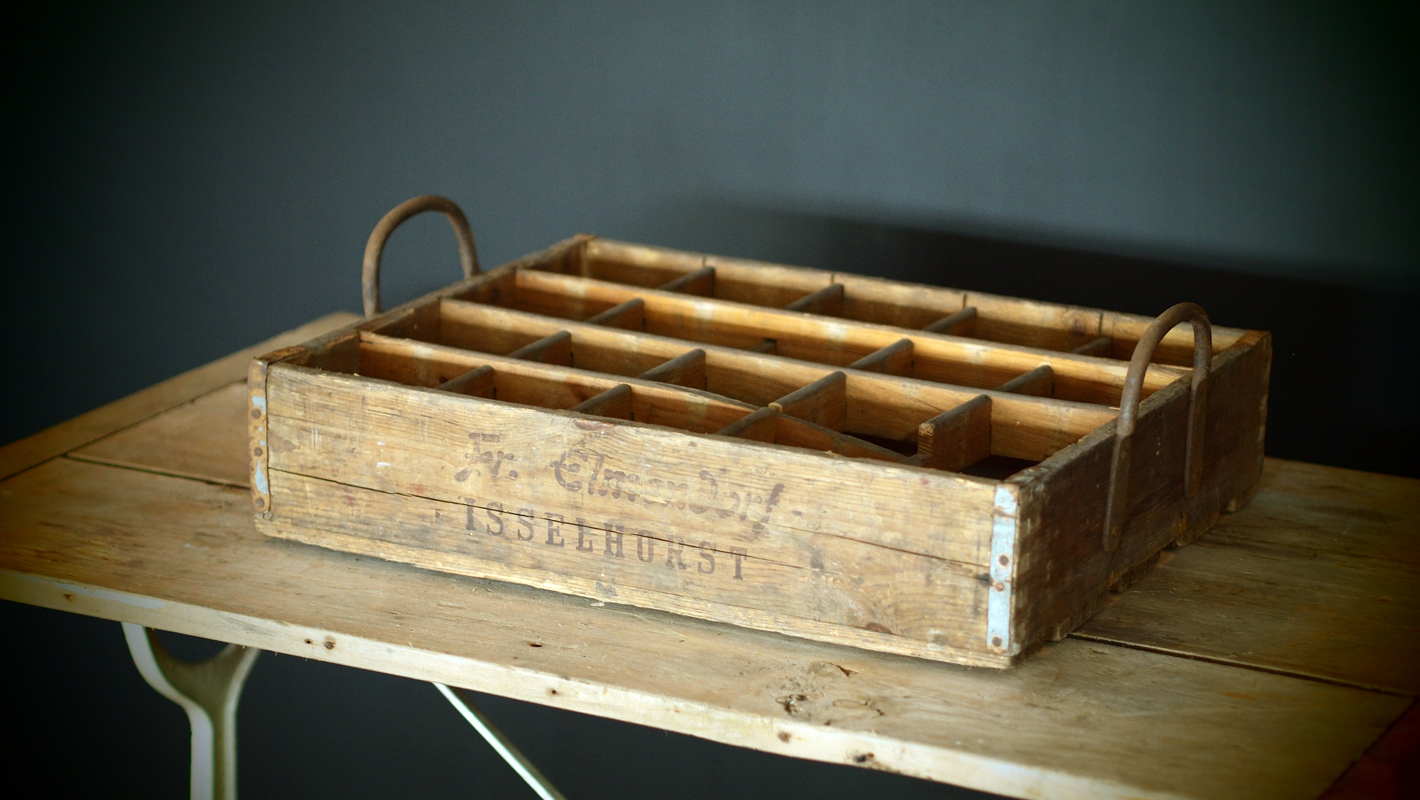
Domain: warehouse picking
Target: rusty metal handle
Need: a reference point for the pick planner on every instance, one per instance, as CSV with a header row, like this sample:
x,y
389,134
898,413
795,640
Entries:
x,y
1116,511
370,278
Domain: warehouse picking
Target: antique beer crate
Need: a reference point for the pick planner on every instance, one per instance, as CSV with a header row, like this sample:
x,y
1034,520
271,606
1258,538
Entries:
x,y
911,469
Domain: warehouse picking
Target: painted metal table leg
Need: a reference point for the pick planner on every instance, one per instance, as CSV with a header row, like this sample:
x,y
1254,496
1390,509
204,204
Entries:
x,y
208,691
500,743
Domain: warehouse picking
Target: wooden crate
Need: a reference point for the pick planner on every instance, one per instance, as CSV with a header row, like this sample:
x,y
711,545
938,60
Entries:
x,y
898,467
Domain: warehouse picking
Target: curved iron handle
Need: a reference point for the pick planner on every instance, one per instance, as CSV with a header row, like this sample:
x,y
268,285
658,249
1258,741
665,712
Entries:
x,y
370,278
1116,511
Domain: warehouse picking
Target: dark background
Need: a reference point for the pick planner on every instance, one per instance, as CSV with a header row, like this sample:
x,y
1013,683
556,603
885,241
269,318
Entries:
x,y
184,182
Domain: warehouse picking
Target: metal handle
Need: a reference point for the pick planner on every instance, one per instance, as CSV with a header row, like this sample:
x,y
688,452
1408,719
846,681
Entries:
x,y
370,279
1116,511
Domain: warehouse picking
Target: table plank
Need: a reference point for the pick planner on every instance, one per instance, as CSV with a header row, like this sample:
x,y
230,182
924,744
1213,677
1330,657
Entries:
x,y
1318,576
205,438
1080,719
79,431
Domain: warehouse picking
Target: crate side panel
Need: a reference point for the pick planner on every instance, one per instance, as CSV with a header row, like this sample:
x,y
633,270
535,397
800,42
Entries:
x,y
1235,428
1064,572
429,443
893,593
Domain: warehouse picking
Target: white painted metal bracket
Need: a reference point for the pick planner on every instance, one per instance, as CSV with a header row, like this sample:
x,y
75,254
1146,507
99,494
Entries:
x,y
1004,522
208,691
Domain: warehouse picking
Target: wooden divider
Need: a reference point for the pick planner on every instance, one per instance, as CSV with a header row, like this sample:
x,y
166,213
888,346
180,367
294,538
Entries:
x,y
939,427
700,282
880,405
895,359
630,315
836,342
1103,346
1039,382
814,416
957,323
988,317
825,401
614,402
888,403
477,382
554,348
686,369
827,301
954,440
640,400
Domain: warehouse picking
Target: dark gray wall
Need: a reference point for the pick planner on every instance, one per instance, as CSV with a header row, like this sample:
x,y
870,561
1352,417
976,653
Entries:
x,y
183,182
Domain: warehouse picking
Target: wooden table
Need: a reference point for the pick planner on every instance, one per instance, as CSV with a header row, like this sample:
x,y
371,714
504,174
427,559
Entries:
x,y
1262,661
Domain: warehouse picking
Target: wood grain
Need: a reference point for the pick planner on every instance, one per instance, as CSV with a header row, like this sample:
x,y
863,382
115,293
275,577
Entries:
x,y
203,438
686,369
1080,720
832,341
875,606
1064,574
895,359
358,436
881,405
907,305
954,440
1317,577
418,442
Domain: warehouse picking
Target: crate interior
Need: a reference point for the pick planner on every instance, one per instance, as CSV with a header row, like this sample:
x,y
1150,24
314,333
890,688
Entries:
x,y
974,315
862,367
804,333
692,353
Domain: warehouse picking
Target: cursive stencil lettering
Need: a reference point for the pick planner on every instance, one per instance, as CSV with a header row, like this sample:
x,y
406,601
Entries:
x,y
487,461
582,470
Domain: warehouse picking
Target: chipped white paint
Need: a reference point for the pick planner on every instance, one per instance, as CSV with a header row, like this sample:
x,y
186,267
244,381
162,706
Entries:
x,y
258,478
1004,520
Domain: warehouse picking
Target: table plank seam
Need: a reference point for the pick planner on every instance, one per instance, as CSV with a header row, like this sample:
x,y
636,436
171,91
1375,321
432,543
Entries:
x,y
1225,662
100,462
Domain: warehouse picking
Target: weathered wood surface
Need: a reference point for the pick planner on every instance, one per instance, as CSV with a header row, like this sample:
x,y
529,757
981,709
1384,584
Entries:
x,y
881,404
1064,571
1081,719
85,428
908,305
799,542
1318,576
1046,572
828,340
197,439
